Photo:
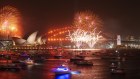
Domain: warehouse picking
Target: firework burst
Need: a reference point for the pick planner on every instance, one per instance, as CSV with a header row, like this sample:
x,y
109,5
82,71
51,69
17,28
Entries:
x,y
87,21
81,37
77,37
86,30
10,21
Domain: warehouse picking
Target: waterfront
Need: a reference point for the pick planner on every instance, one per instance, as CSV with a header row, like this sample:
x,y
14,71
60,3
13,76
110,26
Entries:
x,y
100,70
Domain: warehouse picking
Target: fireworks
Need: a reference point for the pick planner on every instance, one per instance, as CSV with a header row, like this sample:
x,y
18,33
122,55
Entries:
x,y
9,21
93,38
77,37
81,37
86,32
86,21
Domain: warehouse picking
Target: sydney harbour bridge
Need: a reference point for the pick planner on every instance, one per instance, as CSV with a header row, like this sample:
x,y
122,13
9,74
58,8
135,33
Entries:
x,y
58,39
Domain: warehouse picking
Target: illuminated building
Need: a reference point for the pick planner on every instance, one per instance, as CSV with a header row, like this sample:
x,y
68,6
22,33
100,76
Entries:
x,y
33,43
31,40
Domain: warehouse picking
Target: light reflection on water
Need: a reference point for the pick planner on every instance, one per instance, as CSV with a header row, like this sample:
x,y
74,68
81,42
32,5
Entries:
x,y
100,70
64,76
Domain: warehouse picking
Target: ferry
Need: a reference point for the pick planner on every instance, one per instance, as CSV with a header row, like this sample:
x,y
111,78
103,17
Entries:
x,y
29,61
63,69
84,63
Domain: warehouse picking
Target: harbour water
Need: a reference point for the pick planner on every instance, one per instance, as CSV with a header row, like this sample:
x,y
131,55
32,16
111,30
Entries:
x,y
100,70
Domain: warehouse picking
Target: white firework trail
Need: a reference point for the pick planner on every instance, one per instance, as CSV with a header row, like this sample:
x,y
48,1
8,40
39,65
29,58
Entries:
x,y
80,37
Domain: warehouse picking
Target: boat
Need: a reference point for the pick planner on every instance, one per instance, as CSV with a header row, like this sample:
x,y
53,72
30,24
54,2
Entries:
x,y
58,56
39,60
84,63
117,71
81,56
29,61
22,64
113,65
63,69
75,59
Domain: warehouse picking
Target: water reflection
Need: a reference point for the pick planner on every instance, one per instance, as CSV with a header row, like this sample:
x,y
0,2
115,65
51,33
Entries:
x,y
100,70
63,76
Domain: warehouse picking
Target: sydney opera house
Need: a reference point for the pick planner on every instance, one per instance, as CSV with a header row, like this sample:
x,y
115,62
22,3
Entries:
x,y
33,42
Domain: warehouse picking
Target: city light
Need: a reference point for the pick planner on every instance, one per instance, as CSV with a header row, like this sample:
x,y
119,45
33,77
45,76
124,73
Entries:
x,y
59,34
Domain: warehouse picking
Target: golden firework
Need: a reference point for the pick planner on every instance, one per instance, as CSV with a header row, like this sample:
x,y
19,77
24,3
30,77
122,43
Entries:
x,y
10,21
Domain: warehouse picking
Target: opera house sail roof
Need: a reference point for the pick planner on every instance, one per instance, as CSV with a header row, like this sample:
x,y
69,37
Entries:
x,y
31,40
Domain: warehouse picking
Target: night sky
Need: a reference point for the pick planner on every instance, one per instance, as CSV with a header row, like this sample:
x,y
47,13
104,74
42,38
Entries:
x,y
118,16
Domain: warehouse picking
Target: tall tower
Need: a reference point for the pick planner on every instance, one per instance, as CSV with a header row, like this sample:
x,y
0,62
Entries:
x,y
118,40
